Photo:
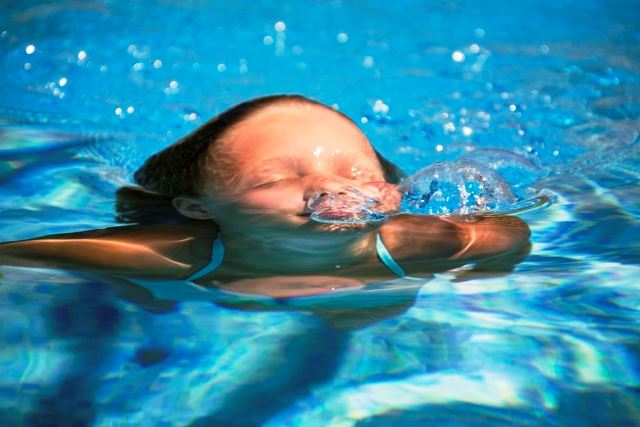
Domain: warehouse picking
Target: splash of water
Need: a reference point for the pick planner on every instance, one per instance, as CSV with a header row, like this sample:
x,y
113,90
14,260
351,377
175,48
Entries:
x,y
455,188
348,206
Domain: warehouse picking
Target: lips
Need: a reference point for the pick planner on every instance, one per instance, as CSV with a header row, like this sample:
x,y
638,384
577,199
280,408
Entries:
x,y
347,198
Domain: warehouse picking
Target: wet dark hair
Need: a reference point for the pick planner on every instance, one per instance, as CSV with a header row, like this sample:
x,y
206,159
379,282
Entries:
x,y
178,169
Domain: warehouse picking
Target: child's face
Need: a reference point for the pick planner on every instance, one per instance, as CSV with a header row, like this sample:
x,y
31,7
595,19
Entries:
x,y
274,161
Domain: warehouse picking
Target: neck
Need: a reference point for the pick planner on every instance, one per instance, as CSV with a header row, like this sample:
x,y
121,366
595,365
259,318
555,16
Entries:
x,y
287,253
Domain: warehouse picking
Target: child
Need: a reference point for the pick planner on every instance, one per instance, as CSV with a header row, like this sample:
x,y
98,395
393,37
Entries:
x,y
226,209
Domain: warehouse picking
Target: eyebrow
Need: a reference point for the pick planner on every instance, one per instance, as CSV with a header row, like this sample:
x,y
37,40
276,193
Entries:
x,y
355,158
270,162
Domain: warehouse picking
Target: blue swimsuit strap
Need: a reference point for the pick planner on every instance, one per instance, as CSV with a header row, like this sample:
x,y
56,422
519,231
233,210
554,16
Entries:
x,y
217,255
386,259
187,290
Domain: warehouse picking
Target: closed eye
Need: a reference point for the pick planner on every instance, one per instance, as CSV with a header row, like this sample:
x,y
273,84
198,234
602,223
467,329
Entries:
x,y
271,182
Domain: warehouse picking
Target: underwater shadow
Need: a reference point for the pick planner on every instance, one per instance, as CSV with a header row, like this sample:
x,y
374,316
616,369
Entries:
x,y
317,353
88,322
308,359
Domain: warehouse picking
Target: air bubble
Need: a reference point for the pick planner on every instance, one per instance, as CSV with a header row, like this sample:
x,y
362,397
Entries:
x,y
519,172
348,206
455,188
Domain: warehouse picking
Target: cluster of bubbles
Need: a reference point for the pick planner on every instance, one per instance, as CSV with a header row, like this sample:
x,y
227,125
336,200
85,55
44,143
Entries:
x,y
348,206
485,181
461,187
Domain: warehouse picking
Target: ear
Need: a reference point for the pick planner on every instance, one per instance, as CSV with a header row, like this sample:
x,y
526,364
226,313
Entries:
x,y
191,208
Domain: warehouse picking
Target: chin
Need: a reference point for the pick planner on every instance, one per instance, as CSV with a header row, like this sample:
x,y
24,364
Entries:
x,y
303,224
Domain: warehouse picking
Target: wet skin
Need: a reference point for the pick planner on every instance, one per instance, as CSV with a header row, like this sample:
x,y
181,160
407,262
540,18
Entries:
x,y
259,179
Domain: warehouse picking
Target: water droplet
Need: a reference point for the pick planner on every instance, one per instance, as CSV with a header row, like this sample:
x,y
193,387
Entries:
x,y
380,107
449,127
172,88
30,49
457,56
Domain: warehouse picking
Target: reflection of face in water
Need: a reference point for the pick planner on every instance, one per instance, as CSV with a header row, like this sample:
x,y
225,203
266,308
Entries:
x,y
270,169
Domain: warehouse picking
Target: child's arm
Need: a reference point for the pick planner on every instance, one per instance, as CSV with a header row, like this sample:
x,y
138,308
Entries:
x,y
420,244
429,243
132,250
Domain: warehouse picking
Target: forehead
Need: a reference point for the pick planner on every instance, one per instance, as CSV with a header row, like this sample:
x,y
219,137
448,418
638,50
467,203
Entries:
x,y
292,129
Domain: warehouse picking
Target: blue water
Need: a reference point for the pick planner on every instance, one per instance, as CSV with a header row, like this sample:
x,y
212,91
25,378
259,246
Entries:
x,y
546,91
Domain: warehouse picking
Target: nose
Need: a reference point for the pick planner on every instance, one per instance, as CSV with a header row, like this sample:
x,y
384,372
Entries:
x,y
318,185
320,188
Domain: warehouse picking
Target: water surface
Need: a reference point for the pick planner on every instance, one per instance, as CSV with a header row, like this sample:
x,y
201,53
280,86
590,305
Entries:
x,y
91,89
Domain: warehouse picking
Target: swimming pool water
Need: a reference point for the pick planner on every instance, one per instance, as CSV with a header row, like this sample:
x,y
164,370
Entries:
x,y
548,89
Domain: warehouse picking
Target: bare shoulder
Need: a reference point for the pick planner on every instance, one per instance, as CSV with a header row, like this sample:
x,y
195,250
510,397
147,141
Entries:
x,y
409,235
432,241
140,251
